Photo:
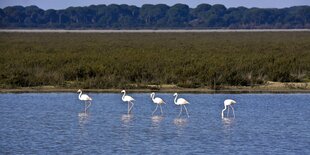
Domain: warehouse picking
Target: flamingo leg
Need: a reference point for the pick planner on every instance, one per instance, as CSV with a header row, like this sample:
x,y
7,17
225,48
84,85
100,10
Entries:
x,y
88,105
128,108
227,111
131,107
155,109
186,110
85,107
180,111
223,112
161,110
233,110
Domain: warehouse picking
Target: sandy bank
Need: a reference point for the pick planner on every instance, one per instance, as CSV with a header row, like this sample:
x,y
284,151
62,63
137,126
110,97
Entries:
x,y
149,30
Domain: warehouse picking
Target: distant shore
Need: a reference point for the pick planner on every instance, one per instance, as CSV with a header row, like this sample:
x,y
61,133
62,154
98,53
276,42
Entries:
x,y
206,91
226,90
148,30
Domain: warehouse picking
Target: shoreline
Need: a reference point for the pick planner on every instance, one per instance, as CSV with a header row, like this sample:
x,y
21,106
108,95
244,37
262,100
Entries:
x,y
268,87
182,90
147,30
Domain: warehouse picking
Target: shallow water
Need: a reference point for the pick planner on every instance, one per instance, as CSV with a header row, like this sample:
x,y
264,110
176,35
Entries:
x,y
54,123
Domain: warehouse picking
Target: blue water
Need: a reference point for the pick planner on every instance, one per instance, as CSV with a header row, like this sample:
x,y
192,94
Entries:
x,y
53,123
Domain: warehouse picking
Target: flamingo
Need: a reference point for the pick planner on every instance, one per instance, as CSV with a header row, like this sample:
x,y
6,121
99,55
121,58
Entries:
x,y
228,102
157,101
128,99
181,102
86,98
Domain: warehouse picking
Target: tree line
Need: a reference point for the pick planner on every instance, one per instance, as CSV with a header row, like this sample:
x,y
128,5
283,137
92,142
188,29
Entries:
x,y
154,16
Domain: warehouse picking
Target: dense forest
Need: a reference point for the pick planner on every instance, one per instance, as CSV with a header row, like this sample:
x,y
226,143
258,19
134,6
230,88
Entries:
x,y
154,16
135,60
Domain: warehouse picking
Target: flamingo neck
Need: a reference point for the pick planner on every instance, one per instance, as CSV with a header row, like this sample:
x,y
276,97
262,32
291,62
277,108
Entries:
x,y
123,96
175,99
153,96
80,95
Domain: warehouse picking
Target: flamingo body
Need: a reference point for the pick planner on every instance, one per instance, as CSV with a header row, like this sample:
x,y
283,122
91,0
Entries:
x,y
127,99
157,101
228,102
181,102
86,98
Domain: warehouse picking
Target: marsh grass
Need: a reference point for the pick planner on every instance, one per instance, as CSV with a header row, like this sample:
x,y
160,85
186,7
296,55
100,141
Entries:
x,y
136,60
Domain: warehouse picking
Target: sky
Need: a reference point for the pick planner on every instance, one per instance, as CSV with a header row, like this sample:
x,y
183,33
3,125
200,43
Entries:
x,y
62,4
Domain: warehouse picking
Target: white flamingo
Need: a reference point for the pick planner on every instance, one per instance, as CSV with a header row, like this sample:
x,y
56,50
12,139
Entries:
x,y
228,102
181,102
127,99
86,98
157,101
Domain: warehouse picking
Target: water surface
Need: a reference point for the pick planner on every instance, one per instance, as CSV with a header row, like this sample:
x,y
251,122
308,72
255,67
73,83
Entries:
x,y
53,123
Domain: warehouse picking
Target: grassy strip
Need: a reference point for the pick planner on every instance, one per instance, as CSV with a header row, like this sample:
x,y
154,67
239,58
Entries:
x,y
183,90
136,60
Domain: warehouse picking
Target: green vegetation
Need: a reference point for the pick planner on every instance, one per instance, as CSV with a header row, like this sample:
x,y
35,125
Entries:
x,y
135,60
155,16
